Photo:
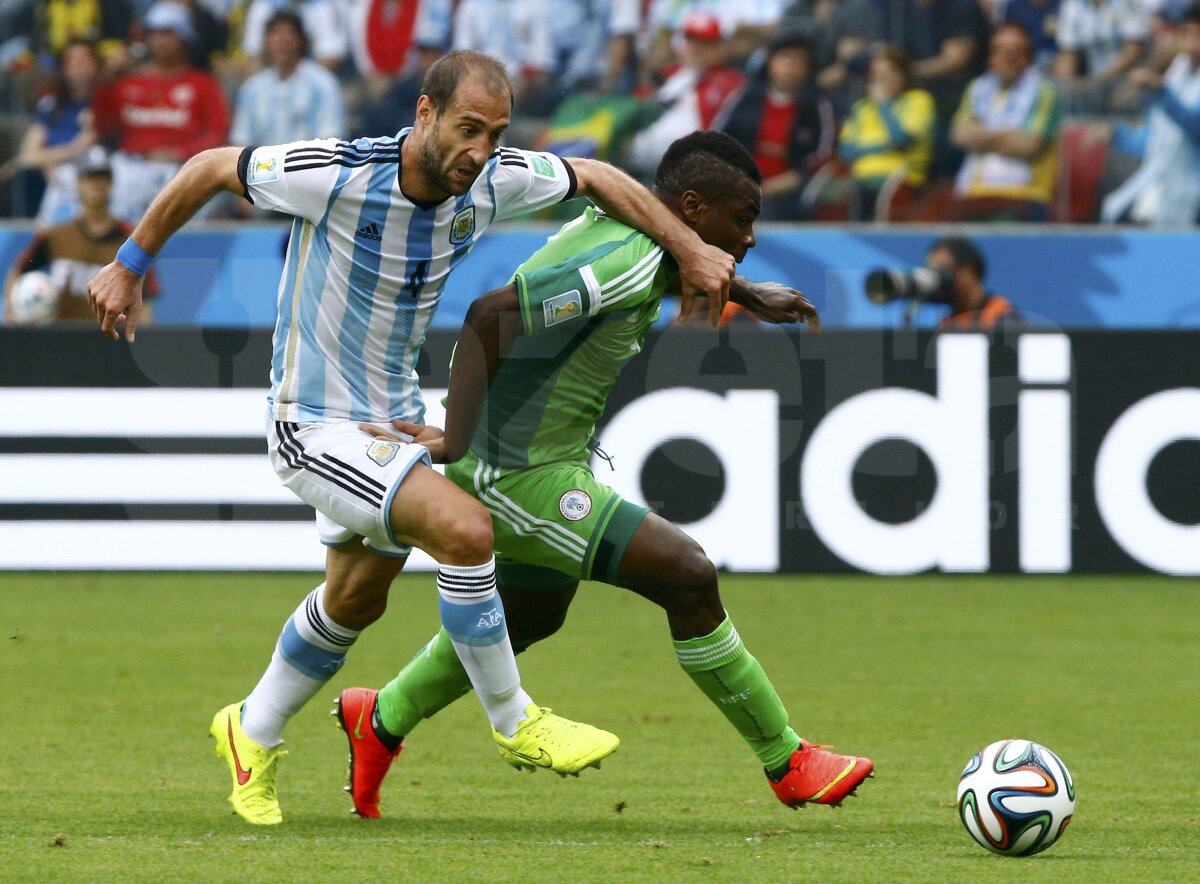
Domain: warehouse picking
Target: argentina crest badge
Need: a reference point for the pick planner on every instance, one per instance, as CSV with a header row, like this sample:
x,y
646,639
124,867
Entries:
x,y
462,226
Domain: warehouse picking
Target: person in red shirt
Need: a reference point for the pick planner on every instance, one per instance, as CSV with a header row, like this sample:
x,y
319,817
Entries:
x,y
696,95
160,115
786,124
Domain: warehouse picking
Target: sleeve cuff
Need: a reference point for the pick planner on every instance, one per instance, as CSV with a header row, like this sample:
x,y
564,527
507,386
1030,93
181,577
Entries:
x,y
242,165
572,182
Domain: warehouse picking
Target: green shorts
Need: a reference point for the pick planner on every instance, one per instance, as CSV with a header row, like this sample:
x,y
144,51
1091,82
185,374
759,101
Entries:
x,y
555,516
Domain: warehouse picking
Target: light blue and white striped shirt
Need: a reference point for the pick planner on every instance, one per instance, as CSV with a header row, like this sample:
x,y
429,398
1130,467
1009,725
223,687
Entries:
x,y
365,266
308,104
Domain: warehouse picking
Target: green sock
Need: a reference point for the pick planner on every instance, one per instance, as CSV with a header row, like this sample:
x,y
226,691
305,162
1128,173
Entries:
x,y
736,684
428,683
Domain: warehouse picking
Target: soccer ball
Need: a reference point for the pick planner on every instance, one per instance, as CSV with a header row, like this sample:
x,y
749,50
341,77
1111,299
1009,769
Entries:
x,y
34,299
1016,797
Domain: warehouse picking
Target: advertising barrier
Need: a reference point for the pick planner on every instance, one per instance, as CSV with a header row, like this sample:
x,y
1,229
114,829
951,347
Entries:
x,y
228,275
883,452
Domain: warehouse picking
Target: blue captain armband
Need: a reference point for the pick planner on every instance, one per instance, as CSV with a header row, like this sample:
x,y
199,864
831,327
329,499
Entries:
x,y
133,257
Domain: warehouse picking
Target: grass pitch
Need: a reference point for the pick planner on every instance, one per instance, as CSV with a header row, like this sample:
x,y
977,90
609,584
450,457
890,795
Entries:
x,y
109,682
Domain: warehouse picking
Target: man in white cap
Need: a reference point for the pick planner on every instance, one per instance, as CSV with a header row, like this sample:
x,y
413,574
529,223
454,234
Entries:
x,y
161,114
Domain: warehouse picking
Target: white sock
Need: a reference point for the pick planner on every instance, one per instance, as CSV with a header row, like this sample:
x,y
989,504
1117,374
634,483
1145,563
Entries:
x,y
473,615
310,651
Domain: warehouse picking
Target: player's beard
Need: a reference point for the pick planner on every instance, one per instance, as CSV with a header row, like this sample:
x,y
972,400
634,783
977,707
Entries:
x,y
436,174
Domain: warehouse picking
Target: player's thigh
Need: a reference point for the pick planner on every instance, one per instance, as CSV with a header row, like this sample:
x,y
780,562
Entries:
x,y
429,511
346,475
551,516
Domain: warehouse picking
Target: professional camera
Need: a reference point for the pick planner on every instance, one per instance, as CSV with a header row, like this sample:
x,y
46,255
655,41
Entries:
x,y
918,285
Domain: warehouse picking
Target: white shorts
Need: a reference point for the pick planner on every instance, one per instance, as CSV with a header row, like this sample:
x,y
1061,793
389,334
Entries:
x,y
347,476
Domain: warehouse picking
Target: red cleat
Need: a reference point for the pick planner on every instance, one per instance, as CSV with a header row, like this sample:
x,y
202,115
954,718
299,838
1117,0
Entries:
x,y
369,758
818,776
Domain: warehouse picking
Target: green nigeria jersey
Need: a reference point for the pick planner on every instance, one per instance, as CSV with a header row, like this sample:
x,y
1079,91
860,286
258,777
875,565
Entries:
x,y
587,298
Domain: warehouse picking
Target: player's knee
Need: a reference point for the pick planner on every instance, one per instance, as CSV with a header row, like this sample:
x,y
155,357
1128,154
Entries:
x,y
524,634
467,538
694,579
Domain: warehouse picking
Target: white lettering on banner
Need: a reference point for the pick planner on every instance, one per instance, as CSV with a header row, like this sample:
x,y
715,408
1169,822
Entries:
x,y
1132,442
952,428
742,429
1044,455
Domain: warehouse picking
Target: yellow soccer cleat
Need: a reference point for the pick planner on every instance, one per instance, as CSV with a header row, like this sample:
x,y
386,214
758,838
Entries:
x,y
549,741
253,768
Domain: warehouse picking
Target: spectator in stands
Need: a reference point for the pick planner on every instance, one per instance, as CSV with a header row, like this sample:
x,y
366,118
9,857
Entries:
x,y
518,33
944,38
60,134
786,124
294,98
1008,125
888,137
964,268
393,110
103,23
698,95
1039,18
624,30
322,19
748,25
73,252
579,32
1099,41
1165,189
212,35
816,20
386,35
160,115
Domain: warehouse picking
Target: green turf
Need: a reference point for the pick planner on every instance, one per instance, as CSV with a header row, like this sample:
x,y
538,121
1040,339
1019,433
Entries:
x,y
108,683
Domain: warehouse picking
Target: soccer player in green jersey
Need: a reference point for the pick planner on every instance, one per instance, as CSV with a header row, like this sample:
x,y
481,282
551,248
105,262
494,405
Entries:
x,y
532,371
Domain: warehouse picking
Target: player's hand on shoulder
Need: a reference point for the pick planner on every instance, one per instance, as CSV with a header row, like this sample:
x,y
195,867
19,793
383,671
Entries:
x,y
777,303
115,296
422,434
705,272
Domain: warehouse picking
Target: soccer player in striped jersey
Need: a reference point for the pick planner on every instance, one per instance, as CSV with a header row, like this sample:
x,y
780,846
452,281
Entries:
x,y
380,224
518,434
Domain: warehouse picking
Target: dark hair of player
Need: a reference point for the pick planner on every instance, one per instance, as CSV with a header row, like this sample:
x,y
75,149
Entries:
x,y
442,79
1191,15
706,162
289,19
963,252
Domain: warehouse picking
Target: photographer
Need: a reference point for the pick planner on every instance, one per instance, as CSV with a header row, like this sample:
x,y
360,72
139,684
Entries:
x,y
953,275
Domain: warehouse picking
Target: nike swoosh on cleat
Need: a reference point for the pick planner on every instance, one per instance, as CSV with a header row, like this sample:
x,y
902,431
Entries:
x,y
243,776
358,724
542,759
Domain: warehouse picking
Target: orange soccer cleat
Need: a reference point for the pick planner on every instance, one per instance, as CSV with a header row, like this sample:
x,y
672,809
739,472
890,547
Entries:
x,y
817,776
369,757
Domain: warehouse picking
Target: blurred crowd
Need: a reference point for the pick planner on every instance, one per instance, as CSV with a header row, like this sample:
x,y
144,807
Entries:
x,y
888,110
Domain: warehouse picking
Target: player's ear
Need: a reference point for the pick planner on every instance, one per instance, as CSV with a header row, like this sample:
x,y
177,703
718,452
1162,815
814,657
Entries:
x,y
693,206
425,110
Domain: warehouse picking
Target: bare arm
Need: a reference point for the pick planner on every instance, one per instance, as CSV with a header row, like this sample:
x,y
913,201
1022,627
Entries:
x,y
8,287
1131,54
1066,64
35,155
116,291
953,57
971,135
704,270
492,323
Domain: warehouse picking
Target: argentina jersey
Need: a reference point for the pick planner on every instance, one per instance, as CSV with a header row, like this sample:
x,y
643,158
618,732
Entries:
x,y
366,266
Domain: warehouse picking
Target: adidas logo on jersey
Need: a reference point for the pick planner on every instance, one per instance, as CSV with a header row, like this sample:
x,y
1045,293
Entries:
x,y
369,231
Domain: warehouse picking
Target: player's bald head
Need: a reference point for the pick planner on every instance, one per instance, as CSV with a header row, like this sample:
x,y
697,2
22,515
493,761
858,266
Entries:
x,y
443,79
